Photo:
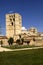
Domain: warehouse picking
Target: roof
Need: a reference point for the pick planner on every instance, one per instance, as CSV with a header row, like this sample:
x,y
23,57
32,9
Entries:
x,y
3,37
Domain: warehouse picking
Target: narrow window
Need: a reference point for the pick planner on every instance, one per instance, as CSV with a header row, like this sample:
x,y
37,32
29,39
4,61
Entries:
x,y
12,23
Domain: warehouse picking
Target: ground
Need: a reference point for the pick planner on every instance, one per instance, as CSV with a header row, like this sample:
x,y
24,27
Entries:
x,y
24,57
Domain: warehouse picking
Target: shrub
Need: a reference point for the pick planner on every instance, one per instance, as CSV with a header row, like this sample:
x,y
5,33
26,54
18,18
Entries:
x,y
10,41
1,42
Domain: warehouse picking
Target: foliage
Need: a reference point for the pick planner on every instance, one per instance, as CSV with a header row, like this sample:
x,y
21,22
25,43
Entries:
x,y
22,40
1,42
18,41
10,41
28,42
19,46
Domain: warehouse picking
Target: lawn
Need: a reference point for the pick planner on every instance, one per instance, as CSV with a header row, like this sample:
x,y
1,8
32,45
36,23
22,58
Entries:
x,y
28,57
19,46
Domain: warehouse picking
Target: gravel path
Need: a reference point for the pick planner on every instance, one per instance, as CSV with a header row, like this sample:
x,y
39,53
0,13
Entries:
x,y
5,49
27,48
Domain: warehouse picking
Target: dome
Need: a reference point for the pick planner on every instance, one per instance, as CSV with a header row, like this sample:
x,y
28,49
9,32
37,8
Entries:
x,y
33,29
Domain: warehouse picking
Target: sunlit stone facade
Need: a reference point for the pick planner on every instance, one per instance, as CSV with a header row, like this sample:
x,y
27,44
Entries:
x,y
14,29
32,35
13,24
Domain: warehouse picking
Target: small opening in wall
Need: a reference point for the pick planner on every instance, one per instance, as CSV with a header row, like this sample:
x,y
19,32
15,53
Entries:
x,y
10,19
12,23
33,39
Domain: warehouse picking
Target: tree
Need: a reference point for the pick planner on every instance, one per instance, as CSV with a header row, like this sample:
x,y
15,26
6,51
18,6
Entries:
x,y
1,43
22,40
28,42
18,41
10,41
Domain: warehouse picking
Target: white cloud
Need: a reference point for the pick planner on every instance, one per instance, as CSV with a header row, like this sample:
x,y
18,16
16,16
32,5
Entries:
x,y
11,11
23,28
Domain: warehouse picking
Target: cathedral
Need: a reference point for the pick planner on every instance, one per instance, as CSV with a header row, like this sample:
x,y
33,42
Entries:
x,y
14,29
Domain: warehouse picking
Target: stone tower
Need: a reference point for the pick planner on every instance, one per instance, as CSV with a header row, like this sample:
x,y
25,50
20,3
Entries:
x,y
13,25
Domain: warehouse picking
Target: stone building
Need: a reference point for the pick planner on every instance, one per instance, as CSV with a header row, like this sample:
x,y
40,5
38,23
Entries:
x,y
13,25
4,40
14,29
32,35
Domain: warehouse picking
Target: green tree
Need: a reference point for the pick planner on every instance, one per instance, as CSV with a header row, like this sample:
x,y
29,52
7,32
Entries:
x,y
1,43
18,41
28,42
10,41
22,40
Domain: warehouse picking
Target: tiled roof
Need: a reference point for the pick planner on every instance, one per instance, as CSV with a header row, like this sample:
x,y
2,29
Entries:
x,y
3,37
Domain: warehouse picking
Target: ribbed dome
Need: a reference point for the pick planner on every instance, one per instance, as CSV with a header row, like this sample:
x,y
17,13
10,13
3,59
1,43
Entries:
x,y
33,29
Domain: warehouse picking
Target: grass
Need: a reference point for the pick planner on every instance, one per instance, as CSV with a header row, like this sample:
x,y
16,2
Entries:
x,y
28,57
18,46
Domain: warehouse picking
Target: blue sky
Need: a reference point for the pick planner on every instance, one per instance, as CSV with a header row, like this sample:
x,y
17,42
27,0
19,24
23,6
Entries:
x,y
31,11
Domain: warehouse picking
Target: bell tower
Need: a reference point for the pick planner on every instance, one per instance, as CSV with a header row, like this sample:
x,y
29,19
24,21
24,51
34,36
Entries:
x,y
13,24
